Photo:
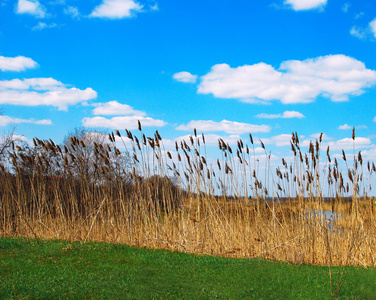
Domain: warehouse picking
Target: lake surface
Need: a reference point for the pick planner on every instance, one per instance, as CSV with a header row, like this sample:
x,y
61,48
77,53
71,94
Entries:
x,y
327,215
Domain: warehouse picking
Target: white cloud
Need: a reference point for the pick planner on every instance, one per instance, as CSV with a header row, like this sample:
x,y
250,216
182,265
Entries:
x,y
359,15
19,63
154,7
120,142
224,125
18,140
114,108
358,32
210,139
369,154
72,11
344,127
349,144
286,115
332,76
32,7
345,7
363,33
128,122
292,114
116,9
348,127
42,91
306,4
278,140
185,77
5,120
372,26
42,25
316,136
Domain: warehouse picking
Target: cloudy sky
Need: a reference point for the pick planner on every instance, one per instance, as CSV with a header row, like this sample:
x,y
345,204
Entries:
x,y
226,68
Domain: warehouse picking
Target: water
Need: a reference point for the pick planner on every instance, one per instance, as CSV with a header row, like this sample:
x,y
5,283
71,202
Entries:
x,y
328,215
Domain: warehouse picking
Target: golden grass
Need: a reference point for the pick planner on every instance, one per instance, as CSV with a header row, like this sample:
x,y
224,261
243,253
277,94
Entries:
x,y
90,191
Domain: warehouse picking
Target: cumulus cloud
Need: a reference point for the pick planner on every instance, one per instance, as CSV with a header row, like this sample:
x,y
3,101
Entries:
x,y
6,120
359,15
185,77
154,7
224,125
313,137
126,117
333,76
278,140
365,33
349,143
286,115
72,11
114,108
306,4
128,122
361,127
31,7
348,127
344,127
345,7
42,25
372,26
369,154
19,63
42,91
116,9
18,140
358,32
210,139
324,137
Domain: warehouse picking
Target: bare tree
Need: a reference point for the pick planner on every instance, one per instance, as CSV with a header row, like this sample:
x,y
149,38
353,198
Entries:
x,y
8,141
91,153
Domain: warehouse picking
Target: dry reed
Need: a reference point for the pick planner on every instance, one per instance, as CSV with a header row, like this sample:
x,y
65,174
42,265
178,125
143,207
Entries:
x,y
89,190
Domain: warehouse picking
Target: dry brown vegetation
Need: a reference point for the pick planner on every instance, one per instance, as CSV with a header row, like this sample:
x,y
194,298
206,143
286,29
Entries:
x,y
149,197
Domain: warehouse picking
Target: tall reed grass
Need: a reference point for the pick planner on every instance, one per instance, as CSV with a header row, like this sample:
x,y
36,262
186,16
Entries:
x,y
182,200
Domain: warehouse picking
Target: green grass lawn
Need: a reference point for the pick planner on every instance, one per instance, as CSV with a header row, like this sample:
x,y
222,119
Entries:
x,y
61,269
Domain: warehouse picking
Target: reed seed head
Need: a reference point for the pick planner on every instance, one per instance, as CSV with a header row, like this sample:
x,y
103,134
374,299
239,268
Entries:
x,y
139,125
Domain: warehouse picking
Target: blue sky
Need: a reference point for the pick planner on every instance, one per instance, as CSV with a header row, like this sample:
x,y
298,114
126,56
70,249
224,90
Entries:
x,y
227,68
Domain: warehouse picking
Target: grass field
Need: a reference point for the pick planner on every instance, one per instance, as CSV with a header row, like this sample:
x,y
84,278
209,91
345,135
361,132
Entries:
x,y
236,206
89,190
57,269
